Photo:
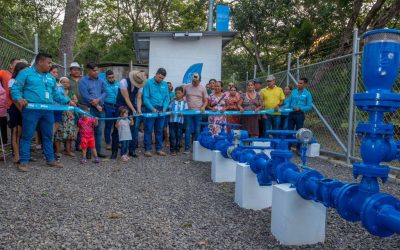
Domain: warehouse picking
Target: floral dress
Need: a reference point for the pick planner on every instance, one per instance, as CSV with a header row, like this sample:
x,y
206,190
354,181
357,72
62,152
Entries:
x,y
216,120
67,131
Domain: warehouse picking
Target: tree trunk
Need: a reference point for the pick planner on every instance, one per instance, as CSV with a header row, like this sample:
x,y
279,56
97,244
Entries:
x,y
68,32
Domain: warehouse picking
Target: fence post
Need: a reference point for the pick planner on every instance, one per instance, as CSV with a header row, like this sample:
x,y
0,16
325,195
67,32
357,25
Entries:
x,y
352,90
247,76
36,45
353,150
269,69
255,72
298,68
288,68
65,64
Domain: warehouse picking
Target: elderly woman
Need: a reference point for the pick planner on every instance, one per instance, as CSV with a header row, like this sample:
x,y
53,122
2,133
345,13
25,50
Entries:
x,y
216,102
250,101
232,105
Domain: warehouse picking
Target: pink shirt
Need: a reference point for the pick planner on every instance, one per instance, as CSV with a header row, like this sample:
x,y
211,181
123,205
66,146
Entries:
x,y
3,102
195,96
86,127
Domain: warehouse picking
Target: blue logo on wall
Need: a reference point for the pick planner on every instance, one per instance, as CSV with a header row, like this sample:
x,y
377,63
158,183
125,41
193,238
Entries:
x,y
195,68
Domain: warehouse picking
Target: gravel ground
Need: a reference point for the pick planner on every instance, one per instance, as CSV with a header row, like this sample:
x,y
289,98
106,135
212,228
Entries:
x,y
149,203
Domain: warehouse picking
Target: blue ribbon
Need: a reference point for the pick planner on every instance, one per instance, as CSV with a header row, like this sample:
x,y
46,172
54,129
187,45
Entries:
x,y
37,106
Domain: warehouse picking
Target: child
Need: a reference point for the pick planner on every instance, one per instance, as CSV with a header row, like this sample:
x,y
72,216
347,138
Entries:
x,y
86,126
124,132
68,127
176,121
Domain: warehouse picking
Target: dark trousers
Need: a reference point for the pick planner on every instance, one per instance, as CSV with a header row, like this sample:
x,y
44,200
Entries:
x,y
3,127
175,136
296,120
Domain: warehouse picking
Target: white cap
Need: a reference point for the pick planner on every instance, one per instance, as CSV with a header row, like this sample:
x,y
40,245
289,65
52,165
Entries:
x,y
270,78
74,65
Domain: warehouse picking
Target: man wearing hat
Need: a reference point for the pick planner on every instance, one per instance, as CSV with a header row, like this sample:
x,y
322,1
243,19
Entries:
x,y
93,91
196,98
130,96
75,75
156,99
272,97
257,85
110,105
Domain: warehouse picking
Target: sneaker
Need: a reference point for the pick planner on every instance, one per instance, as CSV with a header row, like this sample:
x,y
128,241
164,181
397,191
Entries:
x,y
148,154
173,153
133,154
83,161
96,160
54,164
23,168
124,158
186,152
101,155
161,153
108,146
69,154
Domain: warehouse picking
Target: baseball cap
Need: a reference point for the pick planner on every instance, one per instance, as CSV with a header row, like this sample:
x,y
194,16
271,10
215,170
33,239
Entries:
x,y
270,78
257,80
74,65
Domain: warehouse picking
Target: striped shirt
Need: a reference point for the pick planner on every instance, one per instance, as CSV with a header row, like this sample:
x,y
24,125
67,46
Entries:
x,y
177,106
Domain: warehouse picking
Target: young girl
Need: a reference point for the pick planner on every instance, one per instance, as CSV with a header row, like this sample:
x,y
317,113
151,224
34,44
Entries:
x,y
124,132
67,130
86,129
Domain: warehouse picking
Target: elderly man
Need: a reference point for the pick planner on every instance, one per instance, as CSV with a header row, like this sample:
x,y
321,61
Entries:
x,y
130,96
272,97
196,98
94,91
156,99
37,85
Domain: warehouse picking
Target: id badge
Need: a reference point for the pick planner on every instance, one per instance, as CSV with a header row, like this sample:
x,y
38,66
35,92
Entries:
x,y
47,95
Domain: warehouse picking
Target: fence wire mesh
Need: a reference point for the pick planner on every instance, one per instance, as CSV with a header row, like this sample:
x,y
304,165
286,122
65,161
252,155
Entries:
x,y
10,50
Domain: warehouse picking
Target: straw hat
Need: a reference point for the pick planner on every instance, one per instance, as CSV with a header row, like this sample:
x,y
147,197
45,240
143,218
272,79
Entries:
x,y
138,78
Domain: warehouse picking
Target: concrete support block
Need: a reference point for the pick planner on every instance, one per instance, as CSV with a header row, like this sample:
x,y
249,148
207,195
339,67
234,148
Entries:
x,y
222,169
248,194
263,144
296,221
201,153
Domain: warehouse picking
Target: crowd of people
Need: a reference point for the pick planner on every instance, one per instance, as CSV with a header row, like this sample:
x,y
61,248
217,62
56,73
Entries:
x,y
118,100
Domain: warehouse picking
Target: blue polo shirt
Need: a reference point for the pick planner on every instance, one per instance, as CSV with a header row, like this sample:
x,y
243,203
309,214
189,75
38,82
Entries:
x,y
36,87
112,92
299,99
156,94
91,89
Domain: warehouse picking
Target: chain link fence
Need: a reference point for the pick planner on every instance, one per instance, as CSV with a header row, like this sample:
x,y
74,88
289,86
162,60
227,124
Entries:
x,y
10,50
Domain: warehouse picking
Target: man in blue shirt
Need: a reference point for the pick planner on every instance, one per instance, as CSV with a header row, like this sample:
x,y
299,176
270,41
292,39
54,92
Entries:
x,y
110,106
94,91
156,99
37,85
300,100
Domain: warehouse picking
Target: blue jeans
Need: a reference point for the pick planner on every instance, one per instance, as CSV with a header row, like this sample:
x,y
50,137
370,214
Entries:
x,y
284,122
150,124
124,147
272,122
98,131
296,120
135,133
191,121
110,113
30,119
175,135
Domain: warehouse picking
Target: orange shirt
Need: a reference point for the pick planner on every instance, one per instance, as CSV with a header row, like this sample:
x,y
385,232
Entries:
x,y
5,76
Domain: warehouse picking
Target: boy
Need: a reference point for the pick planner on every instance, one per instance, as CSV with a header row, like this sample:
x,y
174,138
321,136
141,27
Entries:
x,y
86,126
176,121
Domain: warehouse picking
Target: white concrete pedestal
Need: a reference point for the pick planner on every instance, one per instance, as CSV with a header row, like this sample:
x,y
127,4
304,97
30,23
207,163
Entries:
x,y
296,221
201,153
222,169
263,144
248,194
